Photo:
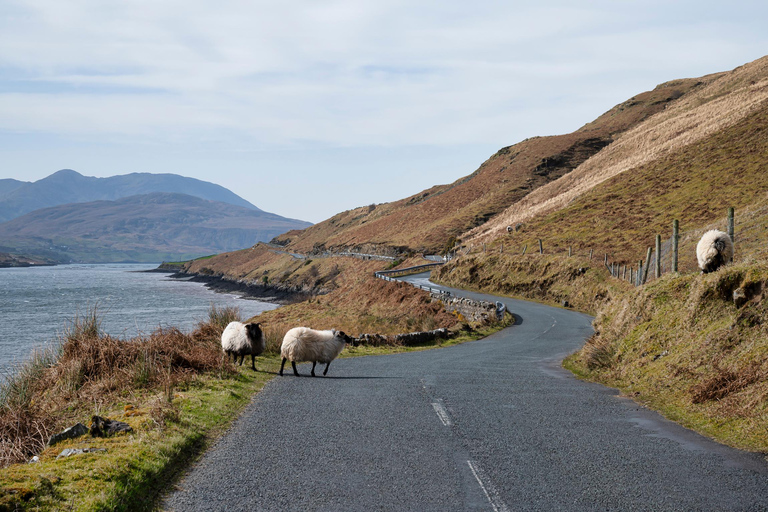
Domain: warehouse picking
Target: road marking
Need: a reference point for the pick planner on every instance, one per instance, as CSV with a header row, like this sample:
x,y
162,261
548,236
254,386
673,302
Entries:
x,y
488,489
442,413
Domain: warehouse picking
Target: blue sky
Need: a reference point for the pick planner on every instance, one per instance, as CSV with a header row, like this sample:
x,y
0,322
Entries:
x,y
310,108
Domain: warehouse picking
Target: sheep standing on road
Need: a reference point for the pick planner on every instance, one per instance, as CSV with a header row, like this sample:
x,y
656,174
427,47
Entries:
x,y
714,250
305,344
239,339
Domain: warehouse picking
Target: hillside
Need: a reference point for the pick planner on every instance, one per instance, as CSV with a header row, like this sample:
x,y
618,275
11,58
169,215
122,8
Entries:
x,y
429,220
141,228
704,151
67,186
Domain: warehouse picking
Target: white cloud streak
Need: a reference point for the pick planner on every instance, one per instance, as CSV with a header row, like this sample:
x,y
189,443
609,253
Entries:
x,y
236,76
339,73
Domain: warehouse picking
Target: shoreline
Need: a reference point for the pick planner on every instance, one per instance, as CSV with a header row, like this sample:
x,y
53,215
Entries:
x,y
220,284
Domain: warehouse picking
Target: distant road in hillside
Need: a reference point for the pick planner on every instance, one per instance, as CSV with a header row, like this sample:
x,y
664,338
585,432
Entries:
x,y
494,424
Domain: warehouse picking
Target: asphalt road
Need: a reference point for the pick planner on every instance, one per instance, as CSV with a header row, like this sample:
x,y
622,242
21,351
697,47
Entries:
x,y
491,425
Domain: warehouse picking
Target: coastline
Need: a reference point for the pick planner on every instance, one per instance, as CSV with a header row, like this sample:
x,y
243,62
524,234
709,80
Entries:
x,y
220,284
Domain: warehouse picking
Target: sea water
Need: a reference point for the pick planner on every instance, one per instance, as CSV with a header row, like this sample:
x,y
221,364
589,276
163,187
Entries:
x,y
37,304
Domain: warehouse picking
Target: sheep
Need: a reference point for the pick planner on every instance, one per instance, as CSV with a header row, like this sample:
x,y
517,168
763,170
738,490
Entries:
x,y
239,339
714,250
305,344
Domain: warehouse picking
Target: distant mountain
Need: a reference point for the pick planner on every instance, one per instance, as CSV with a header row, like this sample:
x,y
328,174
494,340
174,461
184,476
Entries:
x,y
8,185
140,228
67,186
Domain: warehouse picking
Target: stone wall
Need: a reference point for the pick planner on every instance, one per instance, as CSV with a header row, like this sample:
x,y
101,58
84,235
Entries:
x,y
473,310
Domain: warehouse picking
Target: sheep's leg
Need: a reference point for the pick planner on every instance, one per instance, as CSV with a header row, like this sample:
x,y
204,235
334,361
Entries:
x,y
242,357
295,371
313,367
282,366
326,368
253,362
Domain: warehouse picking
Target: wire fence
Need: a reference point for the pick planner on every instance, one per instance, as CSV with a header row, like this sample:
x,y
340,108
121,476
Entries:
x,y
659,259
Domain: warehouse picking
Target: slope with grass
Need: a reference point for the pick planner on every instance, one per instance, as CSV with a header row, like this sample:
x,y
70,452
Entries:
x,y
334,292
430,220
706,123
694,347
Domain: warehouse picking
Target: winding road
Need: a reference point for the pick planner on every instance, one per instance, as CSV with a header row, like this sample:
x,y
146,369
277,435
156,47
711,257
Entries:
x,y
491,425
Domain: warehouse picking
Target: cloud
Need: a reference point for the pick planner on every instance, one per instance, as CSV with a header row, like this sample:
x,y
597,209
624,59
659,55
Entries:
x,y
343,73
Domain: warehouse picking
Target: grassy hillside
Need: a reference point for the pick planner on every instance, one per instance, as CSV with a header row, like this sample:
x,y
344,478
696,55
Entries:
x,y
715,104
695,185
426,222
692,348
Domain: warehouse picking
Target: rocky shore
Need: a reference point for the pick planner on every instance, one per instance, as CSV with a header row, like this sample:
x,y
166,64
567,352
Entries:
x,y
221,284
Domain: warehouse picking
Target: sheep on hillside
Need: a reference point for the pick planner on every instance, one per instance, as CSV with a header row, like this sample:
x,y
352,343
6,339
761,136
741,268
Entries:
x,y
714,250
239,339
305,344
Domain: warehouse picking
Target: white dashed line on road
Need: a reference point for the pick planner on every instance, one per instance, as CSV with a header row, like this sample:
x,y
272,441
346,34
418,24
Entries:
x,y
442,413
487,487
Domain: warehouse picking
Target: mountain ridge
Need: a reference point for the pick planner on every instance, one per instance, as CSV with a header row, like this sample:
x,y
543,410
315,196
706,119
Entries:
x,y
140,228
67,186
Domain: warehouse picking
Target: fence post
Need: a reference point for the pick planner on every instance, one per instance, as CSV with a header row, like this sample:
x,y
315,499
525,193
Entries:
x,y
730,223
483,246
590,254
541,247
606,259
647,266
525,248
658,256
501,249
624,274
569,251
639,272
675,241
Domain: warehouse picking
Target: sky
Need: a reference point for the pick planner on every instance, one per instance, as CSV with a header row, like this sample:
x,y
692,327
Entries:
x,y
310,108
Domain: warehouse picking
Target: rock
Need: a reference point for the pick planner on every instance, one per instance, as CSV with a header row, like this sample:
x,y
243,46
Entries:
x,y
103,427
72,432
739,297
34,459
68,452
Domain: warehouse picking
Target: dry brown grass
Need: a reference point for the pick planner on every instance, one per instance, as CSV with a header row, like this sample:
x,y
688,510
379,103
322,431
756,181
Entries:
x,y
722,101
44,395
724,381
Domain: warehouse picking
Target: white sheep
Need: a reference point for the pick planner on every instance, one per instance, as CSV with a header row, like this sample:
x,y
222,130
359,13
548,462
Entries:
x,y
714,250
239,339
305,344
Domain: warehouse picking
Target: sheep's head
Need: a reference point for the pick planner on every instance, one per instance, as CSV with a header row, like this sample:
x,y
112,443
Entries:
x,y
343,337
253,330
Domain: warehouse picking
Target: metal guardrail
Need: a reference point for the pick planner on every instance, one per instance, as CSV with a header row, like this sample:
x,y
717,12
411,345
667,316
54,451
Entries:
x,y
391,275
419,286
407,271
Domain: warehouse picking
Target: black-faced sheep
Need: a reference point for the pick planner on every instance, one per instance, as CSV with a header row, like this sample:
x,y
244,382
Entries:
x,y
714,250
239,339
305,344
